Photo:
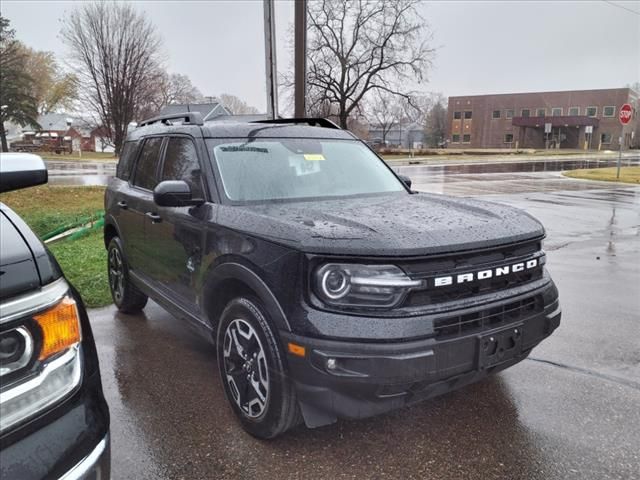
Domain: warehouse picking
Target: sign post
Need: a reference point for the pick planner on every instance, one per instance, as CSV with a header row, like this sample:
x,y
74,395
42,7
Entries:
x,y
625,117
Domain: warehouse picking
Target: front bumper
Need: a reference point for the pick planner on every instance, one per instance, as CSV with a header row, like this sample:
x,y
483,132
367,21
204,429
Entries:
x,y
95,466
68,442
367,379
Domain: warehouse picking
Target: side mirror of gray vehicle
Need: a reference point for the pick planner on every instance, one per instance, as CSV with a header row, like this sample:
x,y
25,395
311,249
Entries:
x,y
406,180
174,193
21,170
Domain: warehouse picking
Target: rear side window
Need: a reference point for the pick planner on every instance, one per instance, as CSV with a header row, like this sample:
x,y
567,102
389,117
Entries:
x,y
145,176
181,163
128,154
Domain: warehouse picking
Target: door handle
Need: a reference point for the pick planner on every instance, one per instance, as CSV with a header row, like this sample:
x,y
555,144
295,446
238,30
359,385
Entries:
x,y
122,204
155,218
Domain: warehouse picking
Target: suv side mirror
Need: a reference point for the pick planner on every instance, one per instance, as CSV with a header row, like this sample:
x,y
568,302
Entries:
x,y
174,193
406,180
21,170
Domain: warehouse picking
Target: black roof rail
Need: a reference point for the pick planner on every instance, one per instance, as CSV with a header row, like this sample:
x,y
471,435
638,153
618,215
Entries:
x,y
313,121
188,118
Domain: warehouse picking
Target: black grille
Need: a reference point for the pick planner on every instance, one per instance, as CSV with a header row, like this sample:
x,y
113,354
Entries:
x,y
488,318
466,290
431,268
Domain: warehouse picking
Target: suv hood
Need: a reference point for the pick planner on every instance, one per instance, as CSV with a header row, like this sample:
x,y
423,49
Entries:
x,y
388,225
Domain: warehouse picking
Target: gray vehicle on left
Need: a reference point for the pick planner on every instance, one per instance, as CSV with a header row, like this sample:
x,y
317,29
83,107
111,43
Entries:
x,y
54,420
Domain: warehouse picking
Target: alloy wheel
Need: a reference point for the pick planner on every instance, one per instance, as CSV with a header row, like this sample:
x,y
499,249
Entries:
x,y
116,274
245,367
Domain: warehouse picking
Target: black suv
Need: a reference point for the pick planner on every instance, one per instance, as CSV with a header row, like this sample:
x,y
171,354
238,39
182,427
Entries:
x,y
329,287
54,421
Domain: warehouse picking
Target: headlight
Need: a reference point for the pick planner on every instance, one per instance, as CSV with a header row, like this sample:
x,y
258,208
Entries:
x,y
363,286
40,356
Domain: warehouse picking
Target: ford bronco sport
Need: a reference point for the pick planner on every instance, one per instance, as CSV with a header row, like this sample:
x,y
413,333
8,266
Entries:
x,y
330,289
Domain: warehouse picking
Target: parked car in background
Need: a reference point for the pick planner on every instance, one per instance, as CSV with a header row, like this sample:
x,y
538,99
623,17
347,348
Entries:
x,y
329,287
54,420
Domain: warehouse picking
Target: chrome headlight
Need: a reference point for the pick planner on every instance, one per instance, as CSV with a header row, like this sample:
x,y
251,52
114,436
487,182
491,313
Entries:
x,y
40,353
364,286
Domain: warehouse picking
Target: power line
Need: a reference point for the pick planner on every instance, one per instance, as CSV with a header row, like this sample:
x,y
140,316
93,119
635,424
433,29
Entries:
x,y
622,7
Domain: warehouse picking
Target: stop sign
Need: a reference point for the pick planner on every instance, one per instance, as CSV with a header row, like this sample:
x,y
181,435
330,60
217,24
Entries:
x,y
625,114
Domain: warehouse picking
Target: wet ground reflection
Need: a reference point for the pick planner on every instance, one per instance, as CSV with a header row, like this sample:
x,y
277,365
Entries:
x,y
98,173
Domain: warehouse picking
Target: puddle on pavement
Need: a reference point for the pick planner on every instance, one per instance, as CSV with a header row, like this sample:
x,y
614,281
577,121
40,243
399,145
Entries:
x,y
516,167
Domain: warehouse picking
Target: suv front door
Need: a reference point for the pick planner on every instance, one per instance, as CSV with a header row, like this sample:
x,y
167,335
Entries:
x,y
175,242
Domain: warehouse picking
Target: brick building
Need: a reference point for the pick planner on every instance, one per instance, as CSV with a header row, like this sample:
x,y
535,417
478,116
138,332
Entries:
x,y
573,119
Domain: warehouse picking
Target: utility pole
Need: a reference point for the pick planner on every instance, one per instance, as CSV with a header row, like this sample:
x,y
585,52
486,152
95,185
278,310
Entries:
x,y
300,42
270,58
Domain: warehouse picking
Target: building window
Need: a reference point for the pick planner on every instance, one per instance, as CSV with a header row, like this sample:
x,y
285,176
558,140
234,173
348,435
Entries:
x,y
574,111
455,138
556,112
495,114
605,138
508,113
525,112
608,111
541,112
591,111
467,115
466,139
457,115
508,138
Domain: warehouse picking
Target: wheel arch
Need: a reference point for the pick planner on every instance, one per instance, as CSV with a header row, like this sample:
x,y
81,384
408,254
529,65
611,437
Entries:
x,y
110,231
231,280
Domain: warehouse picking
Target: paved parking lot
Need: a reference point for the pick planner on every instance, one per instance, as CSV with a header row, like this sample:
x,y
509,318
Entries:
x,y
570,411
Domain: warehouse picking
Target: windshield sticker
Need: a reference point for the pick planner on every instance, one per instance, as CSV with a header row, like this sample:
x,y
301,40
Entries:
x,y
313,157
303,168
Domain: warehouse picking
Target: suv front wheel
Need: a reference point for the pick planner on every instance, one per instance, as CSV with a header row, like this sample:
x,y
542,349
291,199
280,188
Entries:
x,y
125,294
253,372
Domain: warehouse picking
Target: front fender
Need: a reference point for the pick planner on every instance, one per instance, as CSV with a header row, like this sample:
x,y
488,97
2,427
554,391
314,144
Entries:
x,y
236,271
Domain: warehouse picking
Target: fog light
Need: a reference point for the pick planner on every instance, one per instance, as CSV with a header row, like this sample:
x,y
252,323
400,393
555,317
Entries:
x,y
332,363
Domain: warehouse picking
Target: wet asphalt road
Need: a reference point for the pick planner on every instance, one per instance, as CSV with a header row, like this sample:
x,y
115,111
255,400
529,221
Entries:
x,y
570,411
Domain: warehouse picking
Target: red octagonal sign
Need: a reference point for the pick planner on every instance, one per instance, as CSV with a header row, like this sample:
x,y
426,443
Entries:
x,y
625,114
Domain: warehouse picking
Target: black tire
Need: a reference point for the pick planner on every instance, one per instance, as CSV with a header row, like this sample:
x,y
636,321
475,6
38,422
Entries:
x,y
275,408
124,293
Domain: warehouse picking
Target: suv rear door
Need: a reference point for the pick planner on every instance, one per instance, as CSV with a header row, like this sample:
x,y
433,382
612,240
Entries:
x,y
175,240
136,201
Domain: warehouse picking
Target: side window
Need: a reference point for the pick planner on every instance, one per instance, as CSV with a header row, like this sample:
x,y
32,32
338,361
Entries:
x,y
145,176
127,155
181,163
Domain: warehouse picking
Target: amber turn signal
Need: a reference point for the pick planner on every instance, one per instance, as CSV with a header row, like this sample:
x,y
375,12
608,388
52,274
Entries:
x,y
60,327
297,350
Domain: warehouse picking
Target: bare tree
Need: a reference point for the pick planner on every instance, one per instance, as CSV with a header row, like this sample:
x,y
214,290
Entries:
x,y
386,110
236,105
116,50
166,89
356,47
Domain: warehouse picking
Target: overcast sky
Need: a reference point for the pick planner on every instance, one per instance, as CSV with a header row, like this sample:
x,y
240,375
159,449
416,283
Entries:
x,y
482,47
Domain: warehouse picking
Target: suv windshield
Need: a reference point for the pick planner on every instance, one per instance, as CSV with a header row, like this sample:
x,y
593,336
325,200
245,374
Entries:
x,y
276,169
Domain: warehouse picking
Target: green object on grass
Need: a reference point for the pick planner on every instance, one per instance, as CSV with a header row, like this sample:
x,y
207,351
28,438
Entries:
x,y
97,225
78,222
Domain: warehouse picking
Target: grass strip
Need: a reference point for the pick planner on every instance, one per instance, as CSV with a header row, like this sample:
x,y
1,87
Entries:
x,y
627,174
